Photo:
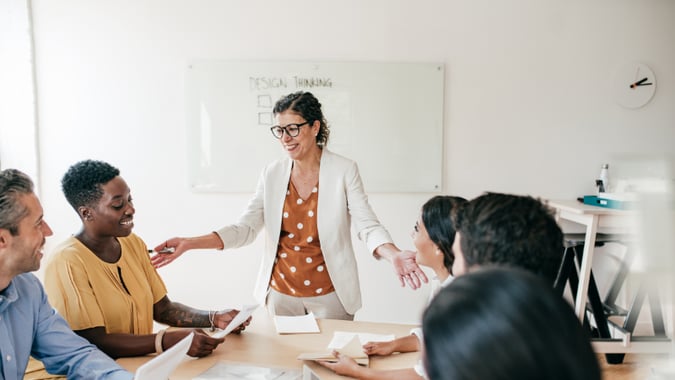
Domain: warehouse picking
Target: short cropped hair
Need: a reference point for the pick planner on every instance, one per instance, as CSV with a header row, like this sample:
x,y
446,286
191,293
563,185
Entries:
x,y
504,323
513,230
82,183
13,183
438,215
306,105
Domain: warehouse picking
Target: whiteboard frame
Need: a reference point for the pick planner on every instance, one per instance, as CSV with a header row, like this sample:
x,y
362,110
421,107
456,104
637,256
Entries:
x,y
388,117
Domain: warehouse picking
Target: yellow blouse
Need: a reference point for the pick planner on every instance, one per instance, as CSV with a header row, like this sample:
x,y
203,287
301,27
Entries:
x,y
89,292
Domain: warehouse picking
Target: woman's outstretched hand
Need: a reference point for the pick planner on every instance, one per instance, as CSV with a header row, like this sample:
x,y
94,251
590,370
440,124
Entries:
x,y
404,263
168,251
408,271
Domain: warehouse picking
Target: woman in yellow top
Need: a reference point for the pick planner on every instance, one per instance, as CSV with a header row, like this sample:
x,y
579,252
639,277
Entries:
x,y
101,279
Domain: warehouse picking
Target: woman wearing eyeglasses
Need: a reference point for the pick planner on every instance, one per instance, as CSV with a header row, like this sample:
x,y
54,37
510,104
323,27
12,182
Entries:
x,y
306,204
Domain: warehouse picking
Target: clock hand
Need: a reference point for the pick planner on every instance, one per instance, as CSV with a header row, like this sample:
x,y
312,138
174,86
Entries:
x,y
639,83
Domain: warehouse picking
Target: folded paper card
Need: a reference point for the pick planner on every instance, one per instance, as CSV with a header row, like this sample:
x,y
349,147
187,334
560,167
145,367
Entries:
x,y
341,338
353,349
301,324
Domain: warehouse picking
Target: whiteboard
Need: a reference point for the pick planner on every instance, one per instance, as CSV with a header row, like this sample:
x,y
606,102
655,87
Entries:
x,y
388,117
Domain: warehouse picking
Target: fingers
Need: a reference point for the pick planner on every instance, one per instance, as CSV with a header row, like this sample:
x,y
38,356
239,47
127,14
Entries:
x,y
414,278
411,283
370,348
242,327
203,344
330,365
160,260
422,275
166,252
239,329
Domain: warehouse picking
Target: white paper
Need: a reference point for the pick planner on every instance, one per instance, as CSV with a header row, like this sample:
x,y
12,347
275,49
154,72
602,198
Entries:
x,y
226,371
161,366
296,324
341,338
238,319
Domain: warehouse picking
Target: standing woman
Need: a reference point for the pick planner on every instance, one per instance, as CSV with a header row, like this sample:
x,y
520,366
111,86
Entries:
x,y
307,204
101,279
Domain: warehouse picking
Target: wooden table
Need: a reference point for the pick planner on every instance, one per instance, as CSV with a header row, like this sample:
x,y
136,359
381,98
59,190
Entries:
x,y
260,345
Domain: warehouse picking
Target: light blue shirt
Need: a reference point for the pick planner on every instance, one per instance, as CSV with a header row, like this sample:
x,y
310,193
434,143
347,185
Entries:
x,y
30,326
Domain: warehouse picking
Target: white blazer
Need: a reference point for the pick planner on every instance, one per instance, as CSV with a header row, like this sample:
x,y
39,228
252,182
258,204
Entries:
x,y
342,202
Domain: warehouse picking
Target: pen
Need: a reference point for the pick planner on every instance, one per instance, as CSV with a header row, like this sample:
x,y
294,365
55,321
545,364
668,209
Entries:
x,y
164,250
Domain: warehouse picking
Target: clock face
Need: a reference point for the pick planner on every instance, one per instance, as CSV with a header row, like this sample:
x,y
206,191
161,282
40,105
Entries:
x,y
634,85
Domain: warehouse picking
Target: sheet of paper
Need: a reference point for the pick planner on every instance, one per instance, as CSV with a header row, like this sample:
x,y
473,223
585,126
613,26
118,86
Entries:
x,y
227,371
161,366
297,324
342,338
243,314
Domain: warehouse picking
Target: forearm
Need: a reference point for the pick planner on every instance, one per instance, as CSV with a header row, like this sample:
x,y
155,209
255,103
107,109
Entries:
x,y
387,251
178,315
208,241
409,343
119,345
365,373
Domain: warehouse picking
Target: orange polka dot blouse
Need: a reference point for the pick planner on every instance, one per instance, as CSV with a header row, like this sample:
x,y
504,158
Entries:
x,y
299,268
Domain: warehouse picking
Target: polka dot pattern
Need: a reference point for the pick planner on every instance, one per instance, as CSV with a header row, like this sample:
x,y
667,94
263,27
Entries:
x,y
300,268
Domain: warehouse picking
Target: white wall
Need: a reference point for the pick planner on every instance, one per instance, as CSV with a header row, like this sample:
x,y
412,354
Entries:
x,y
18,128
527,108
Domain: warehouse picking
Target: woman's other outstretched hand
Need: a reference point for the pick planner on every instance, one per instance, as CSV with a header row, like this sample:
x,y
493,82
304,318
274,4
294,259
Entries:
x,y
408,271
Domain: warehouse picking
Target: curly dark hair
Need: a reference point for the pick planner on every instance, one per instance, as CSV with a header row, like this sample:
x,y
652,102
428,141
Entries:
x,y
307,106
438,216
513,230
82,182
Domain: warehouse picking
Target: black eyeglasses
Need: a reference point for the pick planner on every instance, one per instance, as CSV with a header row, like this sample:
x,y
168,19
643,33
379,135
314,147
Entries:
x,y
291,129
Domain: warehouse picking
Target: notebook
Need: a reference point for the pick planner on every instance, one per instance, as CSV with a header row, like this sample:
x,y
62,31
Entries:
x,y
161,366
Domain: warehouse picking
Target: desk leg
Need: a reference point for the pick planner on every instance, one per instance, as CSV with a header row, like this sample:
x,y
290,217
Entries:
x,y
585,270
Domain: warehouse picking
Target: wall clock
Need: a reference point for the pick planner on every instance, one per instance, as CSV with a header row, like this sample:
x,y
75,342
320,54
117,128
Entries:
x,y
634,85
